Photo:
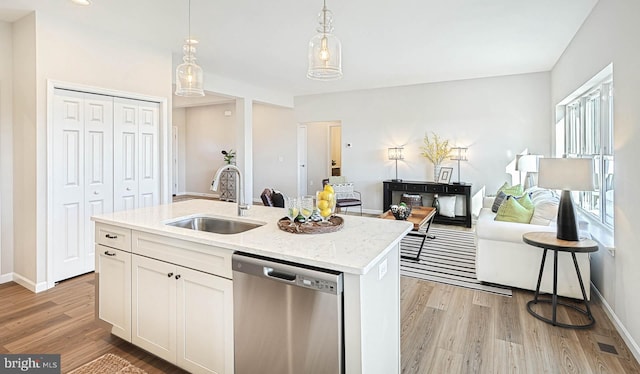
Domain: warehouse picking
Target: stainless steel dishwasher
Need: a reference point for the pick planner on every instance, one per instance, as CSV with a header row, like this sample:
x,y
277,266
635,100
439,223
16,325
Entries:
x,y
287,318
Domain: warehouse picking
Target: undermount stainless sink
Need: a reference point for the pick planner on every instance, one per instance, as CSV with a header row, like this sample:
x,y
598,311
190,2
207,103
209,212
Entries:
x,y
215,225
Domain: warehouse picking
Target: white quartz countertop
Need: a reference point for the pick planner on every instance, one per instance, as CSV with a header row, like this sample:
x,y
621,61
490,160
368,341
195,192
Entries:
x,y
355,249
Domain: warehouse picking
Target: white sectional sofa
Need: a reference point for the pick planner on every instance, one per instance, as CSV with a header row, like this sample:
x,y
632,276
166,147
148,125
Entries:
x,y
503,258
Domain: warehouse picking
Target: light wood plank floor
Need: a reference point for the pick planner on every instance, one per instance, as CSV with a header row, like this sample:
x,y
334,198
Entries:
x,y
445,329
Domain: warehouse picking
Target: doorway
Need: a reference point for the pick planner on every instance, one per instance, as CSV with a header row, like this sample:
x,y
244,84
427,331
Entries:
x,y
319,154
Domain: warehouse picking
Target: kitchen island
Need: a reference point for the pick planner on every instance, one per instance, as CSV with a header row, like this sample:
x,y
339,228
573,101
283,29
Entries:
x,y
129,243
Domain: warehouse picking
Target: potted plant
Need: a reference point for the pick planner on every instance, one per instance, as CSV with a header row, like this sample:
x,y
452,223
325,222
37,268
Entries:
x,y
229,156
436,150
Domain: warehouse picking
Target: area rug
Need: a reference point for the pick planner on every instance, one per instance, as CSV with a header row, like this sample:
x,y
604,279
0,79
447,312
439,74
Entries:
x,y
108,364
450,258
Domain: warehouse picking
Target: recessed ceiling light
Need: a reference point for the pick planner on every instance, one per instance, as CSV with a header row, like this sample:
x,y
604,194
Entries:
x,y
82,2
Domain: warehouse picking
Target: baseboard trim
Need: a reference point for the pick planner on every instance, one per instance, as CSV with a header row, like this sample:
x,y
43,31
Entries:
x,y
622,330
4,278
28,284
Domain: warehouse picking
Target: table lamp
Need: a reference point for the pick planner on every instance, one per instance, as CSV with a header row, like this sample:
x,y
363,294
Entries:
x,y
459,154
395,153
566,174
528,164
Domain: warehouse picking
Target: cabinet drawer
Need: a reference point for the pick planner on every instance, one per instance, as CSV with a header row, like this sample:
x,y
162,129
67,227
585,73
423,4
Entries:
x,y
113,236
206,258
397,186
435,188
415,187
455,189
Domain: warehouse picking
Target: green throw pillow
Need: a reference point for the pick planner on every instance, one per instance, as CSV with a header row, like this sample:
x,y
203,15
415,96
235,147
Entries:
x,y
511,211
516,190
525,201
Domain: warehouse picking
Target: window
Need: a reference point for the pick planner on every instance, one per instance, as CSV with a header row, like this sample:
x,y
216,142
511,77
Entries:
x,y
588,133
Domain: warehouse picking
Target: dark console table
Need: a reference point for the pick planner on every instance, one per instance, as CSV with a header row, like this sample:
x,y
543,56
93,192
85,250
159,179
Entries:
x,y
418,187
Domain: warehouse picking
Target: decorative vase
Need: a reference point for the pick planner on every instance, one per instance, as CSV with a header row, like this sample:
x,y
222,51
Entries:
x,y
436,172
436,203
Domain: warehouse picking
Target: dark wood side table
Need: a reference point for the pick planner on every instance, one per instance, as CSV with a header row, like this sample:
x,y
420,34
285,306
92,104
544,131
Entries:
x,y
549,241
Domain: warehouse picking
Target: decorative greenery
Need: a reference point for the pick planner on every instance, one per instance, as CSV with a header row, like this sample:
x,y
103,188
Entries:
x,y
435,149
229,155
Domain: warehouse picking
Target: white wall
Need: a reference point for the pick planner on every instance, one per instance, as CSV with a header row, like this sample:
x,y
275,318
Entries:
x,y
6,149
610,34
274,149
208,132
48,46
495,117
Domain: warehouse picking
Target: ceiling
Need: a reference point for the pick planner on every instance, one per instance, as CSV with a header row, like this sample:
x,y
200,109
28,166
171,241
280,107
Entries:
x,y
384,43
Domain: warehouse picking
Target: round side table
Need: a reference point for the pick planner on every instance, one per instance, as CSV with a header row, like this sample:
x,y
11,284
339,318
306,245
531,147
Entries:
x,y
549,241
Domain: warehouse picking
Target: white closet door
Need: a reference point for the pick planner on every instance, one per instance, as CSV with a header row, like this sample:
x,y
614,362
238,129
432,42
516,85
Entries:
x,y
125,154
98,165
149,178
82,177
68,185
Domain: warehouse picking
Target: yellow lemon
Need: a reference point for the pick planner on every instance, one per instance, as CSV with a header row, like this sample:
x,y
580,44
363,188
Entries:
x,y
328,188
306,212
323,204
328,196
322,195
325,212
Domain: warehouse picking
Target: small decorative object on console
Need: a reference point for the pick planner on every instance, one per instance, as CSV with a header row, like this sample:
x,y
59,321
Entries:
x,y
401,212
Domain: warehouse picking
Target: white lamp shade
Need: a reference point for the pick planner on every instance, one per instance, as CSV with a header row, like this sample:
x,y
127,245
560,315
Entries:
x,y
396,153
571,174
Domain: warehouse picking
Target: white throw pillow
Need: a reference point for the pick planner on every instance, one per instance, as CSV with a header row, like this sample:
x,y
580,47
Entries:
x,y
447,206
344,191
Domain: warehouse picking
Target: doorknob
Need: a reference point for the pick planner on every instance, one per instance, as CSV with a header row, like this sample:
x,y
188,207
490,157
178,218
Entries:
x,y
302,165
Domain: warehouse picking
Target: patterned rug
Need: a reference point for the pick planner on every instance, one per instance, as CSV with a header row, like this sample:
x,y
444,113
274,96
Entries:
x,y
450,258
108,364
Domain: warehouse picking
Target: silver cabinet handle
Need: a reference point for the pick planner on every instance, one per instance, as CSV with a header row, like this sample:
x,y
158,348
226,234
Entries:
x,y
109,253
178,276
128,188
96,192
169,275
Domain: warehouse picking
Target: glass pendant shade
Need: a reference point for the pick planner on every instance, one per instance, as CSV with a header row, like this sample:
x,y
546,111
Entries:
x,y
189,76
325,50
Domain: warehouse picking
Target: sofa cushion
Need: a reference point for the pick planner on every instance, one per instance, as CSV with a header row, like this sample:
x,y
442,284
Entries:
x,y
512,211
516,190
498,201
525,201
447,206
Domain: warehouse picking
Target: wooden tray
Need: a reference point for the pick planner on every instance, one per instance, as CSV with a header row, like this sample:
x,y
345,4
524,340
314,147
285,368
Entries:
x,y
335,224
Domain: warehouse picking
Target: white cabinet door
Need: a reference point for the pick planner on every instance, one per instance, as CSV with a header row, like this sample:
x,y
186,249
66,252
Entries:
x,y
154,306
205,322
182,315
136,154
113,270
81,174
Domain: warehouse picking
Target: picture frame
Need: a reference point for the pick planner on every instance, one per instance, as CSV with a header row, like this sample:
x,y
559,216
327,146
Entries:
x,y
445,175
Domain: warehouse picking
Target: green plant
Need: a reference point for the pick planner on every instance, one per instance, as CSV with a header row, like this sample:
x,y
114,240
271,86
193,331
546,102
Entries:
x,y
229,155
435,149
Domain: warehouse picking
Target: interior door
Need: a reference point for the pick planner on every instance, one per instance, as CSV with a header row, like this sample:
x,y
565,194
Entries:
x,y
125,148
149,155
68,226
302,160
98,166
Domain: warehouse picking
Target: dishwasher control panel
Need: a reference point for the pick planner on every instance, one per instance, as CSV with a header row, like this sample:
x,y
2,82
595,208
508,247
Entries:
x,y
318,284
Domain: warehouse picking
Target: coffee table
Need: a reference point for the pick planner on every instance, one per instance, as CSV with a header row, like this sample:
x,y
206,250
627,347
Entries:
x,y
420,216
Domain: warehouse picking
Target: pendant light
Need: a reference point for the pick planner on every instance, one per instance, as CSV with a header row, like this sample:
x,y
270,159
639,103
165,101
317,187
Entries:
x,y
189,76
325,50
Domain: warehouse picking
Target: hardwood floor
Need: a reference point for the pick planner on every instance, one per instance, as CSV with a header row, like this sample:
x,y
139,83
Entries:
x,y
445,329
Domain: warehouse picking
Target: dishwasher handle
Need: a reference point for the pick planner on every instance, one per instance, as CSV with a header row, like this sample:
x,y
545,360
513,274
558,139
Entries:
x,y
279,275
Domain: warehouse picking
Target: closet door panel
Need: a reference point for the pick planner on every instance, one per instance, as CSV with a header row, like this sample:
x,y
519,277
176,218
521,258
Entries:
x,y
149,178
125,154
98,164
67,236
